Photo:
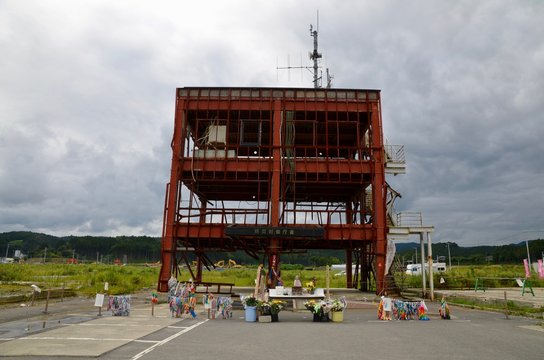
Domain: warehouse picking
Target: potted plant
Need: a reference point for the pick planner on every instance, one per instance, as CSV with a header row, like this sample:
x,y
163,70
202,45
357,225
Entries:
x,y
264,311
319,309
337,309
275,307
250,305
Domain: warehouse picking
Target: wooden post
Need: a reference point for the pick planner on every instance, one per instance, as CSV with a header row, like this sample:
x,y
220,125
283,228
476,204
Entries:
x,y
33,297
258,281
152,308
62,293
328,282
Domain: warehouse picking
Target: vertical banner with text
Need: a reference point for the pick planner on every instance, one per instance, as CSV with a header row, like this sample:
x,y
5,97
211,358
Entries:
x,y
527,269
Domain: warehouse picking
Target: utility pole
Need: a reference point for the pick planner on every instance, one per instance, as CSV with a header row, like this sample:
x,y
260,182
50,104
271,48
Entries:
x,y
449,255
44,254
528,256
7,252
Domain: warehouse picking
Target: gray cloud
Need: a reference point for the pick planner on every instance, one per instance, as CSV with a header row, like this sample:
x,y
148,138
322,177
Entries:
x,y
87,96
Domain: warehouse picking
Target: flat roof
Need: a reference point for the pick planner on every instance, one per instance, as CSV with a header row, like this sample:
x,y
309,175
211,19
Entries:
x,y
256,93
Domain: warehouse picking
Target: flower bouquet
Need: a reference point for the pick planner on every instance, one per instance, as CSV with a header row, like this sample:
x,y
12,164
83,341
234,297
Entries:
x,y
271,308
276,306
249,301
337,309
310,287
264,307
250,305
319,309
338,304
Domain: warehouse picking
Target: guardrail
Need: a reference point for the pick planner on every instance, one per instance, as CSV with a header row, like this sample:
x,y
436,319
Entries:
x,y
409,219
395,153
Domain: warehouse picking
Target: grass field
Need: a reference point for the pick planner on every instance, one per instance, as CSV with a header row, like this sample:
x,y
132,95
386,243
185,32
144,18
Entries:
x,y
464,277
90,279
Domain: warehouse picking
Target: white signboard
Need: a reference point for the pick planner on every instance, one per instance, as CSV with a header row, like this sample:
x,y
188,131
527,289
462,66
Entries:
x,y
99,301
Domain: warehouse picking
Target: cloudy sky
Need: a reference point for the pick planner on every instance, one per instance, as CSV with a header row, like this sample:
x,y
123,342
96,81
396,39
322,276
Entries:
x,y
87,93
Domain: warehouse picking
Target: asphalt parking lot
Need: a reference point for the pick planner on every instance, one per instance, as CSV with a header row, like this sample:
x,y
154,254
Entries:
x,y
80,333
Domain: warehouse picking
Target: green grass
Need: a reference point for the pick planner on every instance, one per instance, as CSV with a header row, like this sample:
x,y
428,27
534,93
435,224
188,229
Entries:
x,y
246,277
85,279
90,279
464,277
513,307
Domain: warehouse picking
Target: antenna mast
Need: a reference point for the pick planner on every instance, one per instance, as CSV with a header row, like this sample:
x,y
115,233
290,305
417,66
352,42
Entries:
x,y
314,56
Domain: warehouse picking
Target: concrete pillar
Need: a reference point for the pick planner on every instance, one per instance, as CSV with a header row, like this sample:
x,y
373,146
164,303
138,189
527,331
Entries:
x,y
430,260
423,273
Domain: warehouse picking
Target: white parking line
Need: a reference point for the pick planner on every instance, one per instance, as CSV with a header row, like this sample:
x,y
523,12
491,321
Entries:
x,y
147,341
151,348
177,327
72,338
113,325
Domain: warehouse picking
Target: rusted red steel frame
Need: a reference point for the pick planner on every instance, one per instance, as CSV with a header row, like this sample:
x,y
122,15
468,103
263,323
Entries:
x,y
345,233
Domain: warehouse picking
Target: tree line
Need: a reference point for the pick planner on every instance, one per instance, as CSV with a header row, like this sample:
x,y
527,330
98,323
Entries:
x,y
474,255
83,248
147,249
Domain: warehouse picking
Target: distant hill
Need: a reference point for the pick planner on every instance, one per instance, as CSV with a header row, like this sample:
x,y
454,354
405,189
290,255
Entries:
x,y
147,249
137,248
500,254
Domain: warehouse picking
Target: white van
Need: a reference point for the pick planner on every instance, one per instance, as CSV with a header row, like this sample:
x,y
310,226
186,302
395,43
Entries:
x,y
415,269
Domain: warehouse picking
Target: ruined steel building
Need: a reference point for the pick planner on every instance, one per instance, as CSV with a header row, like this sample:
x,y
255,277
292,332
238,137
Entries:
x,y
276,170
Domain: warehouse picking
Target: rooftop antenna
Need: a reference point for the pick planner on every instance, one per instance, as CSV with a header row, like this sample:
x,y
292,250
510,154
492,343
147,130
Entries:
x,y
315,55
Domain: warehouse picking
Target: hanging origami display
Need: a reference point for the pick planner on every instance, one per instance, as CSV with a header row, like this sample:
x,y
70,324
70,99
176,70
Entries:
x,y
119,305
444,310
422,308
224,306
401,310
182,298
405,310
210,305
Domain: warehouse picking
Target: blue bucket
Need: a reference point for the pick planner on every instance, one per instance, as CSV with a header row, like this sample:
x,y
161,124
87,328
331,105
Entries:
x,y
251,313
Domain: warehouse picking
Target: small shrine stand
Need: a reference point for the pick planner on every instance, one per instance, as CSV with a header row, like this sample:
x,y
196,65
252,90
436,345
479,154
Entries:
x,y
283,293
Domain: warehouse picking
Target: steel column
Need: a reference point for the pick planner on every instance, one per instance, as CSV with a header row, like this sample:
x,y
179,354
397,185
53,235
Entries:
x,y
274,247
378,199
349,267
168,244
